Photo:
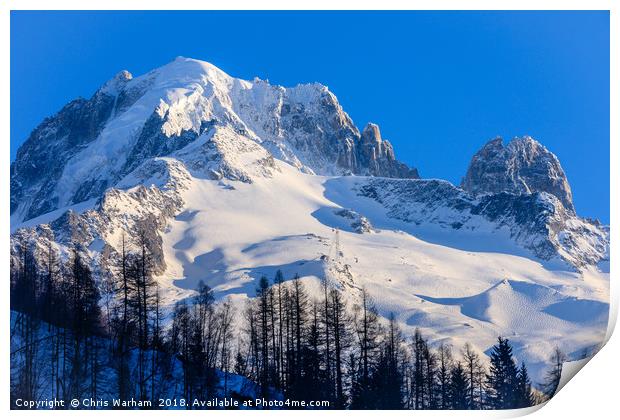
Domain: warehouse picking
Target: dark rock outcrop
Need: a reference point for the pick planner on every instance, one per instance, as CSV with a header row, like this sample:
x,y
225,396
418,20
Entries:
x,y
376,155
326,140
523,166
42,158
538,222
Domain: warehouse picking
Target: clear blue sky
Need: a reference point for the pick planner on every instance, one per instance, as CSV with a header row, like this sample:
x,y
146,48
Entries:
x,y
439,84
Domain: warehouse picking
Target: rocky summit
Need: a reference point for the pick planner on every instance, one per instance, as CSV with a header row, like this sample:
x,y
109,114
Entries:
x,y
523,166
90,145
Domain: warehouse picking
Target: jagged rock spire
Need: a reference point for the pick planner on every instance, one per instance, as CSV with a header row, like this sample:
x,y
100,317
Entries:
x,y
523,166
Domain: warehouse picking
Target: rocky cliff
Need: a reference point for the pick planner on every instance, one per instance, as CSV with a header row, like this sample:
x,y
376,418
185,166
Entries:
x,y
523,166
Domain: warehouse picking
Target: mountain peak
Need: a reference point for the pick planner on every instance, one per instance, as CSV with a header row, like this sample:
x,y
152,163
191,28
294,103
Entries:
x,y
523,166
117,83
496,142
372,130
130,120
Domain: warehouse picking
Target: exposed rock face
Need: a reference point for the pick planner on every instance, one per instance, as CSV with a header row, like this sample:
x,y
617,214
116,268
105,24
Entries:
x,y
523,166
377,156
41,159
538,222
133,210
90,145
359,223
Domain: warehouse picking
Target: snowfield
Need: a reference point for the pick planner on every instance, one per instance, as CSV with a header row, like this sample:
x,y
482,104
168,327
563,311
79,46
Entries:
x,y
231,233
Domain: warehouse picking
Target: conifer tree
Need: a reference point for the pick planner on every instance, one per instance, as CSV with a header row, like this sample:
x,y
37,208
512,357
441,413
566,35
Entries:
x,y
86,317
502,377
459,388
298,313
419,382
430,385
388,380
367,330
524,397
226,318
278,282
122,325
553,376
472,365
341,332
445,364
264,313
25,280
327,337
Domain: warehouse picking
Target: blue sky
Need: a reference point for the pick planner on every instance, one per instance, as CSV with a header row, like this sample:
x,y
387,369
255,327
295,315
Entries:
x,y
439,84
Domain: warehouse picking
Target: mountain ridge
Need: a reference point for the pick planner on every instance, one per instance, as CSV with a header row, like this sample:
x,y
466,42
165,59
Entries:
x,y
129,119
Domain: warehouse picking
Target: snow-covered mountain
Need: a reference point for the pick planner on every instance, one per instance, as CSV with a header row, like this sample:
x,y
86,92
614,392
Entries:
x,y
231,180
92,144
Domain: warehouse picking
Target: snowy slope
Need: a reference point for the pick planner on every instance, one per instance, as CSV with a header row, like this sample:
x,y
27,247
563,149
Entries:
x,y
231,233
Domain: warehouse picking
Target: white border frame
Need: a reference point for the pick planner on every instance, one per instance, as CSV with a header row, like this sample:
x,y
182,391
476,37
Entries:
x,y
592,395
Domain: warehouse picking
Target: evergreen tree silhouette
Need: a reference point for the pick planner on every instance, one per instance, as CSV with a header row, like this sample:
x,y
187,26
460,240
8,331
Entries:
x,y
387,378
502,377
524,397
459,388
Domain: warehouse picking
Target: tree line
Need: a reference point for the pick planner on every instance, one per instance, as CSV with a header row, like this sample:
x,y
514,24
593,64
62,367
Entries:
x,y
66,298
325,349
71,334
